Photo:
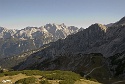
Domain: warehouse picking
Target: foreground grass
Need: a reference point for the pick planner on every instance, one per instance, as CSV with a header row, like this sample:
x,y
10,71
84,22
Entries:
x,y
83,81
44,77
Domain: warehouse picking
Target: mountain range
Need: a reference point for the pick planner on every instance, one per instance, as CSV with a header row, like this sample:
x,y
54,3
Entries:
x,y
14,42
97,51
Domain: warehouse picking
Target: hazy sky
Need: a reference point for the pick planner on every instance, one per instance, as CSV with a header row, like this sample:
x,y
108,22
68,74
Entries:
x,y
17,14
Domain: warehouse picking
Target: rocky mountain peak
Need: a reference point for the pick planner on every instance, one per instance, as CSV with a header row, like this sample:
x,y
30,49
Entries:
x,y
98,26
63,25
55,26
50,27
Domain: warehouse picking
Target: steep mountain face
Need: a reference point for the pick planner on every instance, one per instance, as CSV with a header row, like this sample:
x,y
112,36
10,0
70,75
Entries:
x,y
13,42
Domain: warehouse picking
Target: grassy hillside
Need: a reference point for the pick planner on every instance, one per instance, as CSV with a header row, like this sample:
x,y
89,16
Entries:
x,y
44,77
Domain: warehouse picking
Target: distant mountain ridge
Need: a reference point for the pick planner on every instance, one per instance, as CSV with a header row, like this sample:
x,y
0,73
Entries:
x,y
35,32
14,42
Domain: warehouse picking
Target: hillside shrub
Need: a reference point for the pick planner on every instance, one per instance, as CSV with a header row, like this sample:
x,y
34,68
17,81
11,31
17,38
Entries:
x,y
30,80
11,73
67,82
61,75
32,72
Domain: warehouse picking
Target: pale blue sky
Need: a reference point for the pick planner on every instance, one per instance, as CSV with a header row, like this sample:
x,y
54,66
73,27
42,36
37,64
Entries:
x,y
17,14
